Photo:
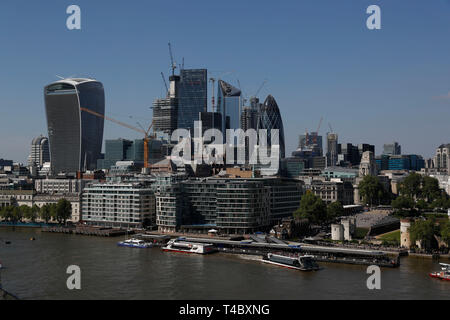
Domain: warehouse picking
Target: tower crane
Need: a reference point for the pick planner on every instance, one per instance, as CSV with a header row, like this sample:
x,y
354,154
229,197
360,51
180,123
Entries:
x,y
260,88
174,65
147,137
165,83
317,131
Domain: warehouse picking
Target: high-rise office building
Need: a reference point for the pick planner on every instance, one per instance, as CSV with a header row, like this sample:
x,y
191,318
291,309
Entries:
x,y
442,158
311,141
228,104
270,118
364,147
75,136
392,149
210,120
192,97
127,150
249,118
165,110
40,152
332,149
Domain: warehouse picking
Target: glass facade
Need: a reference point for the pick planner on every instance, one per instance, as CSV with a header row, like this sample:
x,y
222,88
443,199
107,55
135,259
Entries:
x,y
75,136
193,97
228,104
270,118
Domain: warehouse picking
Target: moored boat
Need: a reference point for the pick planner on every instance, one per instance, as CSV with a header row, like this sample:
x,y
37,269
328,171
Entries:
x,y
302,263
134,243
189,247
444,274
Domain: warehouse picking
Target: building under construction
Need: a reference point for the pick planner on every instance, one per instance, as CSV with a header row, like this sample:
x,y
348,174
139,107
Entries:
x,y
165,111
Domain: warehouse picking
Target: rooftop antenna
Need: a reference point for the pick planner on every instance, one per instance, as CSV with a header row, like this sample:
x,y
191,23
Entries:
x,y
62,78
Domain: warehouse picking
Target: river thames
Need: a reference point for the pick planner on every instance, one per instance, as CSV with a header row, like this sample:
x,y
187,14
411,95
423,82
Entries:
x,y
37,270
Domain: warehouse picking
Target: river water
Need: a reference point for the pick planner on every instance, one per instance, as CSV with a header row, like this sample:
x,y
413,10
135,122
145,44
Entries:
x,y
37,270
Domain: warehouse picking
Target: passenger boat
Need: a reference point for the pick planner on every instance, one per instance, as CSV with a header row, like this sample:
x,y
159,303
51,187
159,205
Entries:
x,y
302,263
189,247
135,243
444,274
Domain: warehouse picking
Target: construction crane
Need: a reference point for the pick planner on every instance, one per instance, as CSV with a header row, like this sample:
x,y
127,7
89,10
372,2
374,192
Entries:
x,y
147,137
260,88
317,131
174,65
165,83
331,129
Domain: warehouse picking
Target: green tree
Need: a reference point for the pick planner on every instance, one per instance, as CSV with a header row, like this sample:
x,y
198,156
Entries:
x,y
430,189
7,213
334,210
45,213
63,210
312,208
371,190
411,186
26,211
53,211
17,214
445,232
441,202
422,205
401,203
422,230
34,213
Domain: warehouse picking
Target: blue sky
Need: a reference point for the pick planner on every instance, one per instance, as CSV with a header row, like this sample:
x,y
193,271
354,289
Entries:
x,y
317,55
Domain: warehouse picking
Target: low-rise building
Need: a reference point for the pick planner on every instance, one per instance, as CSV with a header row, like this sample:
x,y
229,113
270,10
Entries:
x,y
332,191
127,205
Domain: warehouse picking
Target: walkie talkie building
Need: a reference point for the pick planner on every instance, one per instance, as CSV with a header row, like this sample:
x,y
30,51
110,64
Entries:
x,y
75,136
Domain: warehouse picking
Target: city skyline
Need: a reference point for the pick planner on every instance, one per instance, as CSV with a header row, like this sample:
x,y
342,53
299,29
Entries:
x,y
331,67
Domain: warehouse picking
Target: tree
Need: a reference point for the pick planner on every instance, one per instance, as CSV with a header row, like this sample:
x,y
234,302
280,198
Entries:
x,y
422,230
63,210
25,211
430,189
371,190
445,232
17,214
410,186
422,205
334,210
7,213
45,213
53,211
312,208
402,202
34,213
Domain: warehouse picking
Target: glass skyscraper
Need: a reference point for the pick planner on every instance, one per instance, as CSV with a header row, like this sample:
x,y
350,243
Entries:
x,y
228,104
75,136
193,97
270,118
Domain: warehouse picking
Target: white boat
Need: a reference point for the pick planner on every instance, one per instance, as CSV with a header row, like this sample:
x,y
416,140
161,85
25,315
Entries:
x,y
303,263
135,243
189,247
